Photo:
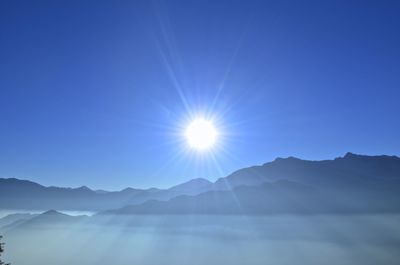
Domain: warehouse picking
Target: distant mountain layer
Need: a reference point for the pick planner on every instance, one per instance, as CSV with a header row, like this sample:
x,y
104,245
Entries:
x,y
280,197
16,217
353,183
48,219
24,194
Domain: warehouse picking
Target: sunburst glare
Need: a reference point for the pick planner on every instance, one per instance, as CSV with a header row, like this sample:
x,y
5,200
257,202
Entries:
x,y
201,134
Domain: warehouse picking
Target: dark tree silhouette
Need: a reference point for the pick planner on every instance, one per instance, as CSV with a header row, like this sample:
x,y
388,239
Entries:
x,y
1,251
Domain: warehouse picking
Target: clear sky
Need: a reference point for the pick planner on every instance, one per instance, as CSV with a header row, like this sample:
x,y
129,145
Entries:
x,y
98,93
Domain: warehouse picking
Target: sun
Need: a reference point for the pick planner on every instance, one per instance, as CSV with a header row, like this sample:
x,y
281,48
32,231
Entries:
x,y
201,134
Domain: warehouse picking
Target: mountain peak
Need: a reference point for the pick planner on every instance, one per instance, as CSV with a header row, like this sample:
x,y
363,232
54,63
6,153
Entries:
x,y
283,159
129,190
350,155
52,213
84,188
203,180
193,184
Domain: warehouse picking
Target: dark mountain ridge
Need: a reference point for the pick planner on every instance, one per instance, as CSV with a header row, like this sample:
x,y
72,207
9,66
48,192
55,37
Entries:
x,y
345,177
343,172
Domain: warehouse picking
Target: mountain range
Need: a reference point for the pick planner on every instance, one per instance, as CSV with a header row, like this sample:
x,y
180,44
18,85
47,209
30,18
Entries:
x,y
352,183
28,195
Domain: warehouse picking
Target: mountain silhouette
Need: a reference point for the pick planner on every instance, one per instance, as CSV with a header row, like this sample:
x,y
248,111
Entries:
x,y
349,184
344,172
352,182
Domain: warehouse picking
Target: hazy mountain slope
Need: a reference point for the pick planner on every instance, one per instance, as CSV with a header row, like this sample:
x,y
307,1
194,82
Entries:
x,y
280,197
46,220
11,218
193,186
23,194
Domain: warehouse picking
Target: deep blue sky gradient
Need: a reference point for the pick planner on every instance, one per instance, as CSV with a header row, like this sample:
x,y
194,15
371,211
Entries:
x,y
97,92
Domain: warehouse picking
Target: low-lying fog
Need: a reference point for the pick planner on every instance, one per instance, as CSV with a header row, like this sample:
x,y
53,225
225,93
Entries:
x,y
201,239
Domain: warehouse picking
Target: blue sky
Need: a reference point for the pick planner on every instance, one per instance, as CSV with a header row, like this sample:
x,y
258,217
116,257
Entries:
x,y
98,93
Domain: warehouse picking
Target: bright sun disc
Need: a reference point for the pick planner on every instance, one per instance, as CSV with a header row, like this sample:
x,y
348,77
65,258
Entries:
x,y
201,134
